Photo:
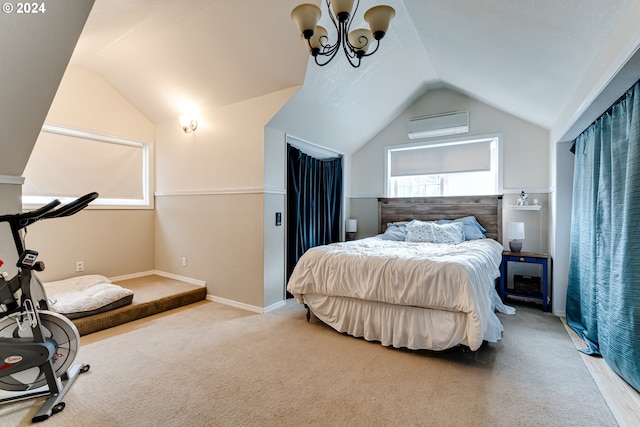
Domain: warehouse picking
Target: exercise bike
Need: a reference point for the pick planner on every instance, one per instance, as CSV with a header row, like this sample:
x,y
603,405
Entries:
x,y
37,346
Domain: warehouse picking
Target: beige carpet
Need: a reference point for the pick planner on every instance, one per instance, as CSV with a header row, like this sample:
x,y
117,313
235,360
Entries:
x,y
212,365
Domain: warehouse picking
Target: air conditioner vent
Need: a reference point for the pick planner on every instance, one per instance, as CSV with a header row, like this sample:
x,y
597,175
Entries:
x,y
438,125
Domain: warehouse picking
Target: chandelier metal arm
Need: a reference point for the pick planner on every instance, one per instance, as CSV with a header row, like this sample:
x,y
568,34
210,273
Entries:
x,y
374,50
349,50
327,51
329,54
342,28
333,18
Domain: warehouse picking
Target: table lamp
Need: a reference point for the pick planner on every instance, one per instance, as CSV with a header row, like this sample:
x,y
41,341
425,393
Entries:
x,y
515,233
351,228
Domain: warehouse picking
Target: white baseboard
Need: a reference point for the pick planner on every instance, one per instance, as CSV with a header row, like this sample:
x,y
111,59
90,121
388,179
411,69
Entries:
x,y
181,278
275,306
232,303
132,276
243,306
162,274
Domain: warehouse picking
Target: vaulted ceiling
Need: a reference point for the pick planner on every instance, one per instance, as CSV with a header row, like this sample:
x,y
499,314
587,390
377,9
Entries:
x,y
539,60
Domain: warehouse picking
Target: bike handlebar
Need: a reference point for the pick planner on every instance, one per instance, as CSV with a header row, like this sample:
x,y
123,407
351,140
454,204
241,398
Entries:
x,y
72,207
22,220
26,218
26,260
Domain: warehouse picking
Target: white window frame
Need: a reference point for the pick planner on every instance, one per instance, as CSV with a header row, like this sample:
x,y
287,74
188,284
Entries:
x,y
146,202
447,141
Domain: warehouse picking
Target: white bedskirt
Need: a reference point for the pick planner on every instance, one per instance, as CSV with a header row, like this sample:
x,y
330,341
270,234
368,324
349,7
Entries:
x,y
398,326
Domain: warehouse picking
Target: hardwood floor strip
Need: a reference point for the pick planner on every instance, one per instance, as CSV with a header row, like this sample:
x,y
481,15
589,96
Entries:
x,y
623,400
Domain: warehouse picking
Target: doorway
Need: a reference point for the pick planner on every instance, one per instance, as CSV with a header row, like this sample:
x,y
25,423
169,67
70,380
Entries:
x,y
314,203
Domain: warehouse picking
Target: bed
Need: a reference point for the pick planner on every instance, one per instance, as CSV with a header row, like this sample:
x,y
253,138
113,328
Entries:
x,y
412,292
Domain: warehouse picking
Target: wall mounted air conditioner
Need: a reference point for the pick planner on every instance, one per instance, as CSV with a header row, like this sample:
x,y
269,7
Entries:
x,y
439,125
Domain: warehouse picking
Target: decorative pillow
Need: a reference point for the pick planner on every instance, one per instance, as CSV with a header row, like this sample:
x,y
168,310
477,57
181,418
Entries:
x,y
472,228
395,231
419,231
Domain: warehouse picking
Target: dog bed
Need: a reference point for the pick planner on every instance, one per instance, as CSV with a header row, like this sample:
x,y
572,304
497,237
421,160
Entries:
x,y
86,295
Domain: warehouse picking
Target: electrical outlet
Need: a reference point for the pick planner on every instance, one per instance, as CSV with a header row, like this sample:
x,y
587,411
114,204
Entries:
x,y
79,265
184,261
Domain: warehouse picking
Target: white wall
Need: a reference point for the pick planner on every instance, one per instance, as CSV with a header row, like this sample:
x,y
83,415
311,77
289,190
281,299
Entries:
x,y
562,202
85,101
111,243
216,200
525,160
10,203
275,167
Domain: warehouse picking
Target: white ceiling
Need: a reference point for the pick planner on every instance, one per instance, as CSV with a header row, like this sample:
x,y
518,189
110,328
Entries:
x,y
526,57
168,56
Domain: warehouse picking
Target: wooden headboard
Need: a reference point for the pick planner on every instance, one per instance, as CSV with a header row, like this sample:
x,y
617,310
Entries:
x,y
486,209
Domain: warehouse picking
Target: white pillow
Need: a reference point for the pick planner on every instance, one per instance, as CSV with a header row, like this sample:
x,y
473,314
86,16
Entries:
x,y
73,284
419,231
89,299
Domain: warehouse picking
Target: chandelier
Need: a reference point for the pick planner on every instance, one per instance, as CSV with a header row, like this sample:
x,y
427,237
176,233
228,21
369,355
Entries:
x,y
355,43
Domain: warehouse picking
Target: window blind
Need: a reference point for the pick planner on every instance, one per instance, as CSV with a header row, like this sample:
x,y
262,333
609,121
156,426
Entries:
x,y
68,164
441,159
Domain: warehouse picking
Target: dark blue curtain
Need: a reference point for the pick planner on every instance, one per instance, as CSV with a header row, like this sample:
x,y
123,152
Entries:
x,y
314,203
603,294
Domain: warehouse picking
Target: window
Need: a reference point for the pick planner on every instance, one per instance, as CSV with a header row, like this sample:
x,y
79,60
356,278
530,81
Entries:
x,y
67,163
461,167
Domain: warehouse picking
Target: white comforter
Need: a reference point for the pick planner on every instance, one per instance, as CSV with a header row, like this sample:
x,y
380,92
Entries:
x,y
458,278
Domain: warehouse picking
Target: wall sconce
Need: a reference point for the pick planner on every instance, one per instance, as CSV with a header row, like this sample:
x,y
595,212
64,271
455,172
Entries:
x,y
188,124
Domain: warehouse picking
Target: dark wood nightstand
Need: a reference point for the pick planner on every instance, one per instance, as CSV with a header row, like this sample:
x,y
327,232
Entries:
x,y
526,287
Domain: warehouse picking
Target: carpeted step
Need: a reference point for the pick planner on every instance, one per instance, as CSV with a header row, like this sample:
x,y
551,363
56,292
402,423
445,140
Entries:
x,y
147,301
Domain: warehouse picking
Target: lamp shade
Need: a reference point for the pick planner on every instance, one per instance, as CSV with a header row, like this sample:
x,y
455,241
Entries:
x,y
352,226
342,6
379,18
306,17
360,39
319,37
515,230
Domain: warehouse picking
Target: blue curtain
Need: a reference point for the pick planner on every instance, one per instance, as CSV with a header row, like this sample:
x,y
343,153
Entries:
x,y
314,203
603,295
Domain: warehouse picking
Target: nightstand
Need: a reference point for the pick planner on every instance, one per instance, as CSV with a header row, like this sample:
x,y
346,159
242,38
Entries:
x,y
531,287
